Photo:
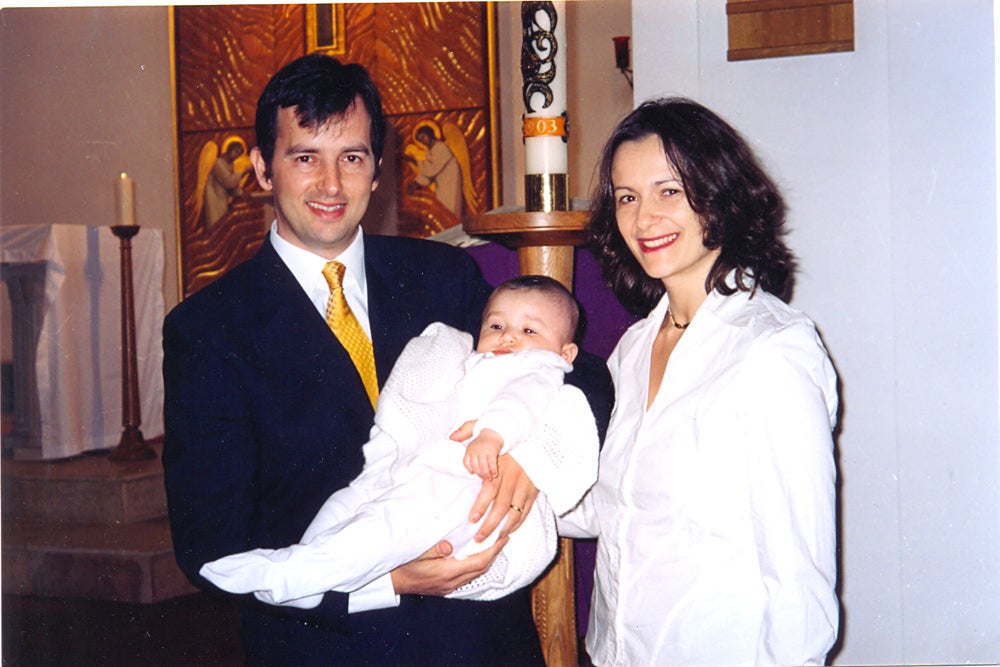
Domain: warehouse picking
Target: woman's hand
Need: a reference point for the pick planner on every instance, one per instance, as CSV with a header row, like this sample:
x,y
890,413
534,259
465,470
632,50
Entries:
x,y
511,493
434,573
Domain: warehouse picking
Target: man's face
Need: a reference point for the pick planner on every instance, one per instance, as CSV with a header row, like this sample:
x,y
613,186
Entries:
x,y
321,178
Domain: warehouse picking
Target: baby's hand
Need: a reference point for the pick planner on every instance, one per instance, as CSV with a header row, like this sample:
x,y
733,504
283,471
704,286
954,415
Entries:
x,y
482,453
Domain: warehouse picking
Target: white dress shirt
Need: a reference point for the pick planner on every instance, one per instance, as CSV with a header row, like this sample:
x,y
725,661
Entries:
x,y
307,268
715,508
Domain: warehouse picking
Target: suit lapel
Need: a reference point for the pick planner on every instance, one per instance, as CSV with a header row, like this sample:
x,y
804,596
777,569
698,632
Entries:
x,y
387,280
292,333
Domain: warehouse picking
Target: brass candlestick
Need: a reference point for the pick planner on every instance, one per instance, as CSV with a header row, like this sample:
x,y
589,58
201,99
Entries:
x,y
132,446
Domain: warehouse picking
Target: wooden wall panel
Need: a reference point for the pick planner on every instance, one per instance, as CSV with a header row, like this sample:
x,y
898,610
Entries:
x,y
359,22
225,56
222,65
431,56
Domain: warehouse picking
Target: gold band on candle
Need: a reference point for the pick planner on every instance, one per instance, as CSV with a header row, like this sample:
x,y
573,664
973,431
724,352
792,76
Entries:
x,y
546,192
540,126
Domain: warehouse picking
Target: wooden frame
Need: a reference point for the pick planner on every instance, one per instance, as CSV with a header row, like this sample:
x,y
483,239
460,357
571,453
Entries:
x,y
776,28
325,28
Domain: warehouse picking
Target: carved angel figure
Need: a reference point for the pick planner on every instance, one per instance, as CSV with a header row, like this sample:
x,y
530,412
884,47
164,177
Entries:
x,y
440,156
220,177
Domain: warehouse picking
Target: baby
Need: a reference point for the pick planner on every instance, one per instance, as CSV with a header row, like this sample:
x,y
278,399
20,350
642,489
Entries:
x,y
418,485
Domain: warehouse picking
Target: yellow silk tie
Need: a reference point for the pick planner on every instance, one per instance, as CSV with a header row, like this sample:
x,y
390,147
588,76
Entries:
x,y
348,331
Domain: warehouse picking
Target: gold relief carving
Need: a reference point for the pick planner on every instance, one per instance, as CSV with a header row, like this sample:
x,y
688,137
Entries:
x,y
443,170
223,173
431,55
216,71
225,55
211,250
432,62
360,35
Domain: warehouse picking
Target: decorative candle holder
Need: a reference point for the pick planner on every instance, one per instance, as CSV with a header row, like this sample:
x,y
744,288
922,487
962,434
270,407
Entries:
x,y
132,446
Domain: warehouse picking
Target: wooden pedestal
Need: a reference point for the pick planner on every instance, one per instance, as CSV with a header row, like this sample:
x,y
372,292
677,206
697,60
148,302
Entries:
x,y
545,243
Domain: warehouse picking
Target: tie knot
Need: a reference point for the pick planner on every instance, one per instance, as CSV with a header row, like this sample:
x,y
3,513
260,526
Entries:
x,y
334,274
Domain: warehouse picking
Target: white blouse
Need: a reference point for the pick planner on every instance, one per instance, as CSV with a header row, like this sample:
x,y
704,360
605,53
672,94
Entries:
x,y
715,508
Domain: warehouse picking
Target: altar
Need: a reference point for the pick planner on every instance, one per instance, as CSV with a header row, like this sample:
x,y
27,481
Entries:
x,y
65,290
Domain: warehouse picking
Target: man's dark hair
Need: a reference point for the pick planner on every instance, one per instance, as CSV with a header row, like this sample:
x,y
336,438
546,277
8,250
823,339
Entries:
x,y
320,88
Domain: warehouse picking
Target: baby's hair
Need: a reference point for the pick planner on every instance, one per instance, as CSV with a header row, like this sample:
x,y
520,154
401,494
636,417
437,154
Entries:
x,y
549,287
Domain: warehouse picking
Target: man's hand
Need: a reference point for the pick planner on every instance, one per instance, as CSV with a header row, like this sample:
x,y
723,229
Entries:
x,y
434,573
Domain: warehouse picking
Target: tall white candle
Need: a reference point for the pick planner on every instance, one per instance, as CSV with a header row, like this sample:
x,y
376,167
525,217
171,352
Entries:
x,y
125,194
545,88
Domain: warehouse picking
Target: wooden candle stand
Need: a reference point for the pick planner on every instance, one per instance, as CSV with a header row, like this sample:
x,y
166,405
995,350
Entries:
x,y
132,446
545,241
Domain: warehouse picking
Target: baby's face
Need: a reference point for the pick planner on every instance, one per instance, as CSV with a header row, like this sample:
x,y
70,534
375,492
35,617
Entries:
x,y
524,320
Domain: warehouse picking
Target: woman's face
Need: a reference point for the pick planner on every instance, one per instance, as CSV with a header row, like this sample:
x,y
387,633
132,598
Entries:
x,y
655,218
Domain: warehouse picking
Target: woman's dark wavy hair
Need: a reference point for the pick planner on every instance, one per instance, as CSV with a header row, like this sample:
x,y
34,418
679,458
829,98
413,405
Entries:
x,y
320,88
740,207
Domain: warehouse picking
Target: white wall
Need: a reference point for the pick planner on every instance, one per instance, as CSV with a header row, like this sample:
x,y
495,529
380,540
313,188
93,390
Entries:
x,y
887,157
86,94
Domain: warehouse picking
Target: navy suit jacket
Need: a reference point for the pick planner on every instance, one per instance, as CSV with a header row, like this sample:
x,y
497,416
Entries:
x,y
265,418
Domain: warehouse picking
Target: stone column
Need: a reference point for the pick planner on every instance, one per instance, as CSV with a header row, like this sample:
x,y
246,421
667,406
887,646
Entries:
x,y
26,286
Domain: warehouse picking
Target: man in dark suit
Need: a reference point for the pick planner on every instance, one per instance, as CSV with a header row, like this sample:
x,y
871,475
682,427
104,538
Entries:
x,y
266,412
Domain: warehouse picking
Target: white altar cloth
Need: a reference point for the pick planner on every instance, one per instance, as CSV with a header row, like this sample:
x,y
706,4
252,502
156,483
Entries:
x,y
78,361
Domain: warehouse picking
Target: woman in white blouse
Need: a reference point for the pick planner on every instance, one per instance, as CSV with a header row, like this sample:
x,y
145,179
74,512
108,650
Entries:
x,y
715,504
